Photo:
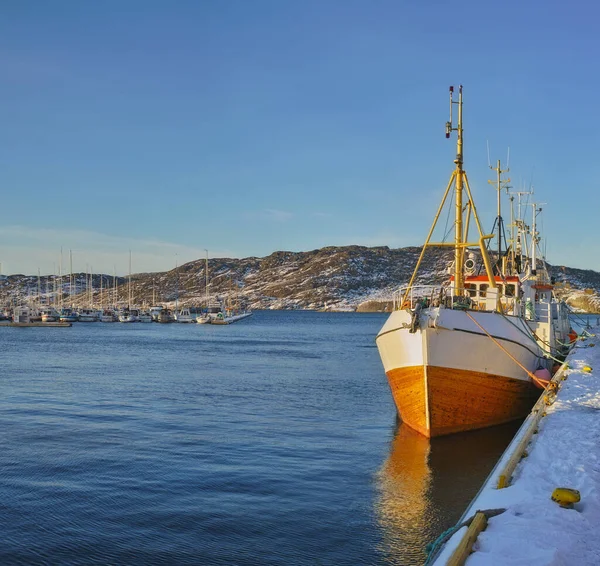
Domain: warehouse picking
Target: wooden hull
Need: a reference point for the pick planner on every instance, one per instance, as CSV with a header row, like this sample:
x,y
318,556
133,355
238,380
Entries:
x,y
436,401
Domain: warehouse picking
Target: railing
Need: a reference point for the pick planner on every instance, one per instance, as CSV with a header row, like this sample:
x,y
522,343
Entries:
x,y
449,297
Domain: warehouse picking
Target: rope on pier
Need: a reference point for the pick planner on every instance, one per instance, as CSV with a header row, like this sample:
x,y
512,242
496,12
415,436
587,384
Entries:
x,y
434,547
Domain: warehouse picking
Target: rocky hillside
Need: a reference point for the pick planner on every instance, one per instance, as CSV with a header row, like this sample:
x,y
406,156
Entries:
x,y
331,277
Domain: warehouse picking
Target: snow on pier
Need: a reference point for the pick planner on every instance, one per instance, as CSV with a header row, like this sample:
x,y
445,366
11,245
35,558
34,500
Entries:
x,y
561,439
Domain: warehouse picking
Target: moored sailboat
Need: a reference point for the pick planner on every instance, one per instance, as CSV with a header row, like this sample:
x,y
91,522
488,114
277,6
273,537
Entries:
x,y
467,354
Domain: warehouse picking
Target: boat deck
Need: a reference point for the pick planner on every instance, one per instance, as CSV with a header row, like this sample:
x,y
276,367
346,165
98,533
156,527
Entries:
x,y
557,447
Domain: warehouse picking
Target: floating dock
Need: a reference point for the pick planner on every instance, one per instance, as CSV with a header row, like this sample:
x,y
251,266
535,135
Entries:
x,y
541,503
42,324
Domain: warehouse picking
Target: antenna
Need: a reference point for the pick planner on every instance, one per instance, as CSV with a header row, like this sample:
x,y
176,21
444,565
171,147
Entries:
x,y
487,142
508,158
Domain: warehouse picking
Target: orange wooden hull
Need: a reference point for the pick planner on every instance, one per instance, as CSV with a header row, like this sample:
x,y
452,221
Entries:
x,y
436,401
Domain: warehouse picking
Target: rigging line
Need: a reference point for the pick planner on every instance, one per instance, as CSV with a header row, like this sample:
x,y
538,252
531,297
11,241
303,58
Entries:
x,y
536,342
530,374
446,229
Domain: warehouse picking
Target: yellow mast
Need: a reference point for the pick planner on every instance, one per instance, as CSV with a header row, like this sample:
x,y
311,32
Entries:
x,y
461,185
459,174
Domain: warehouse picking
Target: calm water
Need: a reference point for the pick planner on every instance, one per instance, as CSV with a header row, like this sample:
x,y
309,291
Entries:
x,y
271,441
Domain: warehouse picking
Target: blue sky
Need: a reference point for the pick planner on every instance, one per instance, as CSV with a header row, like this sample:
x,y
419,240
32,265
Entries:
x,y
249,126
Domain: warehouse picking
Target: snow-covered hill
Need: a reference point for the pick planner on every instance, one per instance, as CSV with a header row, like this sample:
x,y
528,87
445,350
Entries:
x,y
330,277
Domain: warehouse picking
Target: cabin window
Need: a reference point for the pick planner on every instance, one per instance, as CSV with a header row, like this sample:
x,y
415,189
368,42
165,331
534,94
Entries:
x,y
510,290
472,289
483,290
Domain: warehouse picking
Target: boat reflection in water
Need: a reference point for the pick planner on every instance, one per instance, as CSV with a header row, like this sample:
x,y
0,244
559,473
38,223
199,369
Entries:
x,y
426,484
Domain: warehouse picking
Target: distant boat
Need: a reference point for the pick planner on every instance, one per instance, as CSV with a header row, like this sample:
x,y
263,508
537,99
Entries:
x,y
68,315
155,311
129,315
108,315
184,315
145,316
88,315
50,314
164,316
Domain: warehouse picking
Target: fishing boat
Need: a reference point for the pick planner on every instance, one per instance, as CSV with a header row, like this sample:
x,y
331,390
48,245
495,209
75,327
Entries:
x,y
50,314
68,315
469,353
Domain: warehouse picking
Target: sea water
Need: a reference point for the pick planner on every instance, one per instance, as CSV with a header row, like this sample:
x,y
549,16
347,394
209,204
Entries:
x,y
270,441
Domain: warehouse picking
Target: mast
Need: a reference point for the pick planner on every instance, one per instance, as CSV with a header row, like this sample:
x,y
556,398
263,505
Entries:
x,y
71,277
206,282
60,281
129,299
499,222
176,284
534,238
461,185
459,174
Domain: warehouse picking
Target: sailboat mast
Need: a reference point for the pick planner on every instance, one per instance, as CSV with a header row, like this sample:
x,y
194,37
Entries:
x,y
206,276
129,299
60,281
71,278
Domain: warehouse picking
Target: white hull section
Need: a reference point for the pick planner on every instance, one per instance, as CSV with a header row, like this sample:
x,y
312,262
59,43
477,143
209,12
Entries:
x,y
448,338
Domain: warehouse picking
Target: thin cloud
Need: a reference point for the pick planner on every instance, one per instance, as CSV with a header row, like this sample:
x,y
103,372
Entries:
x,y
278,215
25,249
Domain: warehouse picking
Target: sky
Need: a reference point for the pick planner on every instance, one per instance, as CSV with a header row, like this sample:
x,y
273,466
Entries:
x,y
243,127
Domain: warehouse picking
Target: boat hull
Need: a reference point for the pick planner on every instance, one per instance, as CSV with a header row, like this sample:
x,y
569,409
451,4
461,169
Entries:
x,y
437,401
449,376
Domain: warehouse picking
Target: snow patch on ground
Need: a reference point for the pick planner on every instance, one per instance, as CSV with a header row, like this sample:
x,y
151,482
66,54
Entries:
x,y
565,453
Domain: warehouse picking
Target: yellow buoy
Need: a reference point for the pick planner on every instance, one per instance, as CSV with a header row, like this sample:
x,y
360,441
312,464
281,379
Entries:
x,y
587,369
565,496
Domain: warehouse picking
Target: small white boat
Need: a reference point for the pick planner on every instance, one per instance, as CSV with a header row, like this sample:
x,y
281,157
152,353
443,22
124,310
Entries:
x,y
50,315
131,315
88,315
108,315
145,316
155,311
184,315
203,318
